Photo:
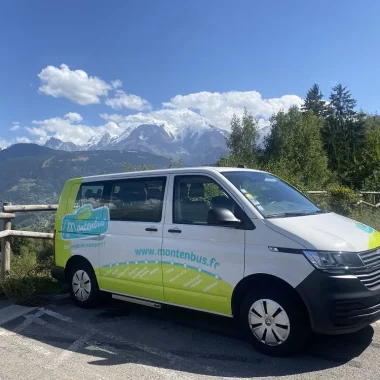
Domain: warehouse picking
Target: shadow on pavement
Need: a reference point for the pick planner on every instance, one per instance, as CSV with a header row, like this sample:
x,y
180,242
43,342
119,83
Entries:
x,y
186,341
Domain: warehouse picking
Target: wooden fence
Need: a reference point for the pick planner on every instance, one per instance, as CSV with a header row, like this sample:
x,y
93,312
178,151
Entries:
x,y
9,212
6,216
372,194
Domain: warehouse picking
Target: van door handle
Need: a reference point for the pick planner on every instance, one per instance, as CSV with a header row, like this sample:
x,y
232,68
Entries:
x,y
175,231
151,229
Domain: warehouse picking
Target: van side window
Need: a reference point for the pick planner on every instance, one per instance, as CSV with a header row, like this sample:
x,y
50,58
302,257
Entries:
x,y
90,193
139,200
194,196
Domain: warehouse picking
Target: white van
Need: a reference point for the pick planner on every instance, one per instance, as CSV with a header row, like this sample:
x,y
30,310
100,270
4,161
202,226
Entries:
x,y
228,241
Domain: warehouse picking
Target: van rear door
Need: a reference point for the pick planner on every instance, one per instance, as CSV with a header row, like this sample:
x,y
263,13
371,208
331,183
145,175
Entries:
x,y
130,261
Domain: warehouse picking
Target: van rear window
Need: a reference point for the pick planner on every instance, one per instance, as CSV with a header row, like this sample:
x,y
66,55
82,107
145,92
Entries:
x,y
90,194
139,199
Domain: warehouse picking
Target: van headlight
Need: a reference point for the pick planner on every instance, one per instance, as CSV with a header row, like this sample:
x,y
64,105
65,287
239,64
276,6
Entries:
x,y
333,261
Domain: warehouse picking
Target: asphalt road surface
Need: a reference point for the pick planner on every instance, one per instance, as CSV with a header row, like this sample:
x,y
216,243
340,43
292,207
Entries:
x,y
57,340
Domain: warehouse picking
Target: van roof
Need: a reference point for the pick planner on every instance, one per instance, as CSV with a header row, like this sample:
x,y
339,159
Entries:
x,y
199,169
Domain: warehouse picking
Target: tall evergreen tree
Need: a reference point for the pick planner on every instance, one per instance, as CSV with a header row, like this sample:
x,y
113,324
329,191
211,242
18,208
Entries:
x,y
343,134
314,101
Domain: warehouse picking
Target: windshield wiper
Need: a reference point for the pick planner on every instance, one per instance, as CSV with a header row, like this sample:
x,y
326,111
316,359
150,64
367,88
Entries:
x,y
317,212
290,214
287,214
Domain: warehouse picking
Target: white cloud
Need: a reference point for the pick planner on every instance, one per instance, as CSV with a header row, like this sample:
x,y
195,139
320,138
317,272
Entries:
x,y
218,108
23,140
123,100
116,83
75,85
80,88
204,108
74,117
198,109
69,128
37,132
15,126
174,119
4,143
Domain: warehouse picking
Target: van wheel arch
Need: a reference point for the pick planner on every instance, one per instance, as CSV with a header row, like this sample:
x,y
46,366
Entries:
x,y
261,279
74,260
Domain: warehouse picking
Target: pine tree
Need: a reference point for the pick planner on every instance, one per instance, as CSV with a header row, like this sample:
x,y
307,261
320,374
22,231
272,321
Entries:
x,y
314,101
343,135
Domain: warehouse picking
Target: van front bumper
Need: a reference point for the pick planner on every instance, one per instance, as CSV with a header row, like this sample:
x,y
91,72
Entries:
x,y
339,304
58,273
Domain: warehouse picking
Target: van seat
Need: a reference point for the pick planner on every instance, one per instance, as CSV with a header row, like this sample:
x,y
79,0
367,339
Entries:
x,y
154,193
195,210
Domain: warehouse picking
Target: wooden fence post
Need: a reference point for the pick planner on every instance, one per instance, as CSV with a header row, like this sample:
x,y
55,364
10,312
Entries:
x,y
6,248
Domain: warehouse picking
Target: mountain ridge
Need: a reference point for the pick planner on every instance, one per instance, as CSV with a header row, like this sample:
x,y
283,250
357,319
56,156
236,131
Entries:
x,y
34,174
195,144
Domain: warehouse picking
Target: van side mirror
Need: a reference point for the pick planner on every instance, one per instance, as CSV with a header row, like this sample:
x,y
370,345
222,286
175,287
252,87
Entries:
x,y
222,217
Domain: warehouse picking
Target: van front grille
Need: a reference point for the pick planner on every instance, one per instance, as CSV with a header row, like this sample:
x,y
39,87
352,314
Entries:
x,y
370,274
371,258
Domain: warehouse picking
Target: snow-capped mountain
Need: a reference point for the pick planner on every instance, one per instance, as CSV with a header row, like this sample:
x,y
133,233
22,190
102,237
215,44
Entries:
x,y
199,144
58,144
101,142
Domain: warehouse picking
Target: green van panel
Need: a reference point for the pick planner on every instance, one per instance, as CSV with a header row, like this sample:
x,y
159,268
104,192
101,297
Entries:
x,y
65,206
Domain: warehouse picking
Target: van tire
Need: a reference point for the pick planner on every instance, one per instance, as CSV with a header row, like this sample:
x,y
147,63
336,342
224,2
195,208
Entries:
x,y
287,308
84,289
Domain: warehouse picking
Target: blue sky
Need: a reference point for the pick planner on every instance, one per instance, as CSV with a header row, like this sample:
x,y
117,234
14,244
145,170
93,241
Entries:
x,y
108,65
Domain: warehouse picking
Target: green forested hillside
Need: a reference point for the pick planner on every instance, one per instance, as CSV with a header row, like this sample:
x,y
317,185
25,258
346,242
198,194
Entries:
x,y
31,174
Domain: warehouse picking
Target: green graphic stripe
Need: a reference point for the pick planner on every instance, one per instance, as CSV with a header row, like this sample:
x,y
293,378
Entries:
x,y
170,263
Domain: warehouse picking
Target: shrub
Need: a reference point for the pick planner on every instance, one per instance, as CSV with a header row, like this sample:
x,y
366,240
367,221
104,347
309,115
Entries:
x,y
30,275
342,199
45,257
18,284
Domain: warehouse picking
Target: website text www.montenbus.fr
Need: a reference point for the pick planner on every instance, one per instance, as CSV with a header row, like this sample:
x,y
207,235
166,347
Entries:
x,y
176,253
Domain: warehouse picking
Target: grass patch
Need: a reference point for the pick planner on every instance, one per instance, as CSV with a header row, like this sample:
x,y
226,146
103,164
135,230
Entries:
x,y
370,217
29,276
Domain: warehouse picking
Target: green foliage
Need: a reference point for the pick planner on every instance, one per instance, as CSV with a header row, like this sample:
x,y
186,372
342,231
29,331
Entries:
x,y
342,200
319,146
242,140
31,261
30,274
314,102
343,136
293,149
322,147
370,159
19,284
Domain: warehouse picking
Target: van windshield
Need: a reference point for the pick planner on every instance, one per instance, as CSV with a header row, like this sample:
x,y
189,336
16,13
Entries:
x,y
271,196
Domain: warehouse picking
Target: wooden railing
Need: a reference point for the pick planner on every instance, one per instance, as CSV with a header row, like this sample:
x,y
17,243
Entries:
x,y
373,194
6,216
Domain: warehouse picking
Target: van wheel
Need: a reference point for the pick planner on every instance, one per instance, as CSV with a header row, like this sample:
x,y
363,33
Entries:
x,y
84,288
275,322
